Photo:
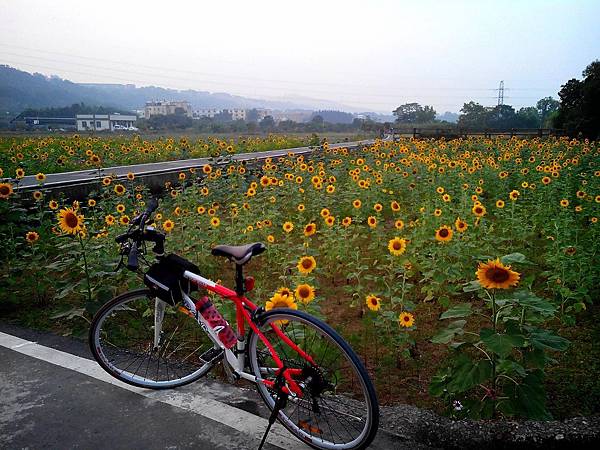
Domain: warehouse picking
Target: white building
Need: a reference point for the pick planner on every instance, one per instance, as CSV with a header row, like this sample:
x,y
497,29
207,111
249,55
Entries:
x,y
237,113
105,122
164,108
206,112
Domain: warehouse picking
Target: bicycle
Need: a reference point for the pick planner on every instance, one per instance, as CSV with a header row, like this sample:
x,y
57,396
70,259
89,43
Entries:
x,y
158,337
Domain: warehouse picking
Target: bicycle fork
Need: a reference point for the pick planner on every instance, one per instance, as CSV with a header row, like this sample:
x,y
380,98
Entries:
x,y
159,315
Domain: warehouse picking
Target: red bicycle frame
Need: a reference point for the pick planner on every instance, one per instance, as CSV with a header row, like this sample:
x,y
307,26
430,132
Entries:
x,y
244,308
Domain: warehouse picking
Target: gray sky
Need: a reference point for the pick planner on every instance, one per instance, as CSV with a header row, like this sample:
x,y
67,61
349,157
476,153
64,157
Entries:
x,y
372,55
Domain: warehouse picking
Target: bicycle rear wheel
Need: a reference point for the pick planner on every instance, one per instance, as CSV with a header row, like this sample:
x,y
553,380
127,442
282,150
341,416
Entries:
x,y
148,343
338,408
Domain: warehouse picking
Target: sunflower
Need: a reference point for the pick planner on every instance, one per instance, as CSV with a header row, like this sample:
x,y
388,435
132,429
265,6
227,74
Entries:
x,y
120,208
215,221
397,246
37,195
440,190
301,207
109,219
514,194
168,225
31,237
124,220
270,239
119,189
70,222
181,176
372,221
395,206
460,225
378,207
373,302
564,203
330,221
6,190
20,173
406,319
357,203
546,180
330,189
106,181
91,202
53,204
206,168
40,177
479,210
324,213
305,293
399,224
310,229
288,227
495,275
347,221
500,204
443,234
437,212
280,301
306,264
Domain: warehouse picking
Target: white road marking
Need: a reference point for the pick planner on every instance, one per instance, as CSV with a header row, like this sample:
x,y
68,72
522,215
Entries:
x,y
235,418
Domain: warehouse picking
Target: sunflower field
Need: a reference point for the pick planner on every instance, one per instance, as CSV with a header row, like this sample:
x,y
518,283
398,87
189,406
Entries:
x,y
463,272
27,156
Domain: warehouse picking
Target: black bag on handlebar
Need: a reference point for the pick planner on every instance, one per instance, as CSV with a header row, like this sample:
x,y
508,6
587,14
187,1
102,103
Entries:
x,y
165,278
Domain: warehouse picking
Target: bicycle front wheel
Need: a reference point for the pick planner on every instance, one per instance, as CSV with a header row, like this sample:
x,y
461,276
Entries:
x,y
338,408
148,343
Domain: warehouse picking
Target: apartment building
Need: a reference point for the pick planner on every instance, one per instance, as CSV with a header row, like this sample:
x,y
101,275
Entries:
x,y
164,108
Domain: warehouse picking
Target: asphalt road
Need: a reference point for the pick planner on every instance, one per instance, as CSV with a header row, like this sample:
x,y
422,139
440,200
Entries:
x,y
53,395
83,176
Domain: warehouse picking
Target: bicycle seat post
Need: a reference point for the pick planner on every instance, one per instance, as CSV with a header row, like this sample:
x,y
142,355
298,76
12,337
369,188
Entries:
x,y
240,288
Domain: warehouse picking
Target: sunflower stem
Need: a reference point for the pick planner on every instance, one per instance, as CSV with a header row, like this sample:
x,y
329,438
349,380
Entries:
x,y
493,355
85,266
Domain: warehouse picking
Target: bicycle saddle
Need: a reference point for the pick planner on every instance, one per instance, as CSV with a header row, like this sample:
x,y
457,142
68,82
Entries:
x,y
239,254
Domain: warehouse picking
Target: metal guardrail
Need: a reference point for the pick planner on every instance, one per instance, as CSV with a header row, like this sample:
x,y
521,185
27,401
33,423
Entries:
x,y
67,179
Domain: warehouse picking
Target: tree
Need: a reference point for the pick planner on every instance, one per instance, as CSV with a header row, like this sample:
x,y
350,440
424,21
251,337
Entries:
x,y
473,115
252,115
545,107
579,112
268,123
528,117
414,113
426,114
501,117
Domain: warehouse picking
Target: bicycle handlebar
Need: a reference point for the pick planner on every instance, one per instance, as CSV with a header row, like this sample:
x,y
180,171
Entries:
x,y
139,234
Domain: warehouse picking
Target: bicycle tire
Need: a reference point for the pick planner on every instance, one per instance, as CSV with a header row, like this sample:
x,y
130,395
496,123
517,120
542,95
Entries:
x,y
121,339
354,400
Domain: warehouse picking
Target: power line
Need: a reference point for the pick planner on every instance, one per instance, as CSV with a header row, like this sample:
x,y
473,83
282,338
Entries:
x,y
226,84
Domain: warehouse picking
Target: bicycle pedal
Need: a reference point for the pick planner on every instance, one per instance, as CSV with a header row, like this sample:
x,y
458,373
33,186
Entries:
x,y
212,355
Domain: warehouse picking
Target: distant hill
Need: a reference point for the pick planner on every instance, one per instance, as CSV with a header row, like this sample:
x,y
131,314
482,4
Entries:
x,y
22,90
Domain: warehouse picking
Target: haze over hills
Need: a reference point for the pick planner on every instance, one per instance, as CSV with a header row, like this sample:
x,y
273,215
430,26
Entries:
x,y
20,90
